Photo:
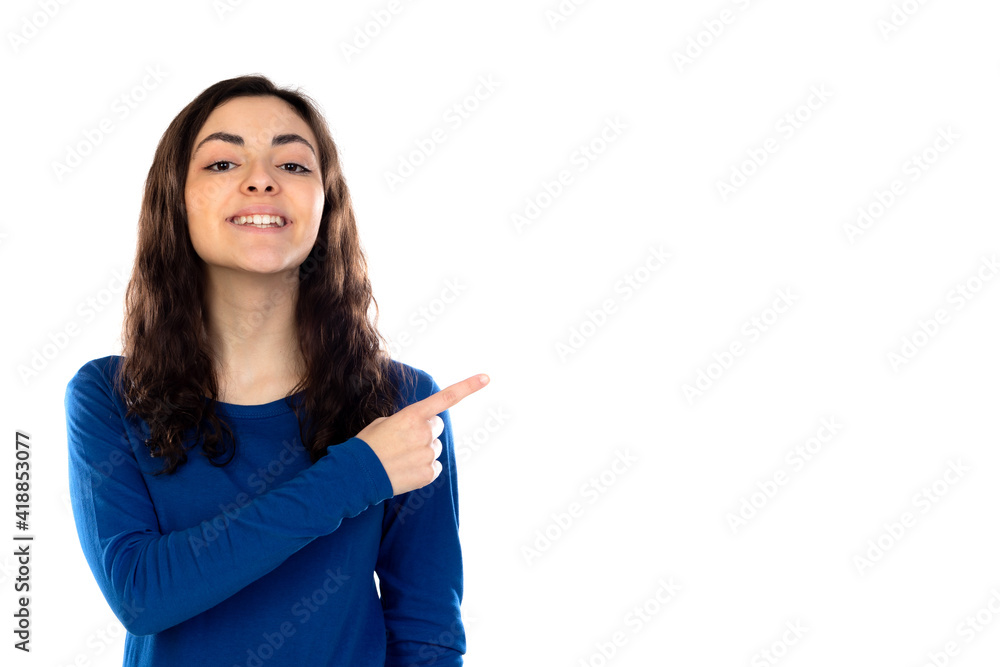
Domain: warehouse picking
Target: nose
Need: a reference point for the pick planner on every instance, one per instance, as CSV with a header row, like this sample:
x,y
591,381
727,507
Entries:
x,y
259,179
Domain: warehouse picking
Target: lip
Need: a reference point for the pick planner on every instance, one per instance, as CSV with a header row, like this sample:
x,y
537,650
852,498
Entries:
x,y
260,210
259,230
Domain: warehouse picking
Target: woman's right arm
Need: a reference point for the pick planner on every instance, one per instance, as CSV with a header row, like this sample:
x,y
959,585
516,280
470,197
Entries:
x,y
154,580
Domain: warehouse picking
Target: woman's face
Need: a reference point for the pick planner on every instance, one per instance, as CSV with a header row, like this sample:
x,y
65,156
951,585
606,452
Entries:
x,y
254,155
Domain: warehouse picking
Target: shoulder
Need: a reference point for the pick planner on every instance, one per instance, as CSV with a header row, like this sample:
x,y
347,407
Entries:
x,y
415,384
94,412
97,375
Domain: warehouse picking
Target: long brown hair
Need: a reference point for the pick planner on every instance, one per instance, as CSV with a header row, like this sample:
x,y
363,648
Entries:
x,y
167,376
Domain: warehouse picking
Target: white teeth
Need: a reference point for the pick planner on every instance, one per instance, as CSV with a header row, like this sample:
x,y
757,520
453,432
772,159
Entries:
x,y
259,220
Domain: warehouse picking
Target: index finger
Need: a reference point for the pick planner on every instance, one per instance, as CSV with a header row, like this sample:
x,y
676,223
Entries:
x,y
449,396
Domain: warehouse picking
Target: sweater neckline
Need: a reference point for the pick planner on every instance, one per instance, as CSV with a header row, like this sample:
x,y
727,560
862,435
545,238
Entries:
x,y
279,406
276,407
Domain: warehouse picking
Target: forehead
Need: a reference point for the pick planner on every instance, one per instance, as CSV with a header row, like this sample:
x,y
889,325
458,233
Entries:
x,y
256,119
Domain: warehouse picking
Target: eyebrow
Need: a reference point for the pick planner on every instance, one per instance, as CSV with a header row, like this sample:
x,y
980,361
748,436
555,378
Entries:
x,y
279,140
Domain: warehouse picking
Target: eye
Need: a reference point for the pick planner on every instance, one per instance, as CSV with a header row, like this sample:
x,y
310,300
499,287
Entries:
x,y
220,162
296,168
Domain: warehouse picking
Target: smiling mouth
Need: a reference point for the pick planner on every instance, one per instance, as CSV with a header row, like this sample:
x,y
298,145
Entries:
x,y
259,221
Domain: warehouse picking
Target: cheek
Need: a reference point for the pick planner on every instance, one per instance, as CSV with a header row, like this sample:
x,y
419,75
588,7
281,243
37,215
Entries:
x,y
319,200
318,210
198,233
309,205
197,201
200,214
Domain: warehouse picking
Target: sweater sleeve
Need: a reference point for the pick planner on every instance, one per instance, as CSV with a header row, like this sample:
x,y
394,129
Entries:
x,y
154,580
419,566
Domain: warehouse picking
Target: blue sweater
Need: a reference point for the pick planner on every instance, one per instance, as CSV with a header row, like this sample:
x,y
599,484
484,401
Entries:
x,y
268,560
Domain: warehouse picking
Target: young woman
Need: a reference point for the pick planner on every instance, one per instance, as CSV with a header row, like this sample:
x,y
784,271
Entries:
x,y
251,459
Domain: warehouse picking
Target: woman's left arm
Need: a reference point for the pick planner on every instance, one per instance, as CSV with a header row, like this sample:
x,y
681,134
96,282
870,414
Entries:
x,y
420,564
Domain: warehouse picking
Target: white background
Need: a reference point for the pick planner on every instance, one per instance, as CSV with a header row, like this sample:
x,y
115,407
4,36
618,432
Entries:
x,y
890,90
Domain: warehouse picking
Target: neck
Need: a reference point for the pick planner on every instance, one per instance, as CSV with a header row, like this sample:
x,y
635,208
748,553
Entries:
x,y
250,327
